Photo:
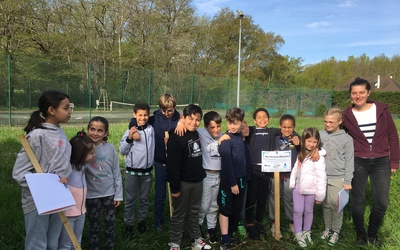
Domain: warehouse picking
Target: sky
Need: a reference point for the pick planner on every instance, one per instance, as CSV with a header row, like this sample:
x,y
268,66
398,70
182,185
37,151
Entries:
x,y
317,30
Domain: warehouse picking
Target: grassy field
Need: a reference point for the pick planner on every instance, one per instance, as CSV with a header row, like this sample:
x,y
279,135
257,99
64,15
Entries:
x,y
12,225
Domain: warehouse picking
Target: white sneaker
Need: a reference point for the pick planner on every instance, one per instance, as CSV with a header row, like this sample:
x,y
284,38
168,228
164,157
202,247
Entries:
x,y
326,234
307,237
200,244
333,239
174,246
273,231
300,239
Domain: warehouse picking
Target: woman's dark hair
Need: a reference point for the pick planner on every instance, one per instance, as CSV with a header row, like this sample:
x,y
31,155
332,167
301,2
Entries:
x,y
81,145
308,133
102,120
360,82
49,98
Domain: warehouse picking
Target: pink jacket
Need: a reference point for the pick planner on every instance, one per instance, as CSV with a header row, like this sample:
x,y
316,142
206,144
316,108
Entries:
x,y
312,176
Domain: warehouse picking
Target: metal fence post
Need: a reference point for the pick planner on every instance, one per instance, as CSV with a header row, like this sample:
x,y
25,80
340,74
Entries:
x,y
9,88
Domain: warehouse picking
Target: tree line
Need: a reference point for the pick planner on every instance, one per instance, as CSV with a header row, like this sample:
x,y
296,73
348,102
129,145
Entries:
x,y
167,36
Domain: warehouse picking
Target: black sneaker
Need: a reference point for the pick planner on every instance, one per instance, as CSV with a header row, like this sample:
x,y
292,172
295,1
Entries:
x,y
374,241
227,246
141,227
362,240
253,233
260,229
128,231
211,235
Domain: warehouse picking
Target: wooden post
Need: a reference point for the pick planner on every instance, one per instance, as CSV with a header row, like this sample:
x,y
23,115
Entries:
x,y
38,169
277,205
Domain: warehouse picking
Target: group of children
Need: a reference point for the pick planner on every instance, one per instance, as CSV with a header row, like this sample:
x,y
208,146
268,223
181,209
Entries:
x,y
211,177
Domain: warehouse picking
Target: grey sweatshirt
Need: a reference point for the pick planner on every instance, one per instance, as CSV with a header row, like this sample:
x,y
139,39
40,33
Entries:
x,y
53,151
340,155
103,174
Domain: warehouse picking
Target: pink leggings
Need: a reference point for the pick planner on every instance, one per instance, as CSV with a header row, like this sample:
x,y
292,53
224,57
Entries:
x,y
303,206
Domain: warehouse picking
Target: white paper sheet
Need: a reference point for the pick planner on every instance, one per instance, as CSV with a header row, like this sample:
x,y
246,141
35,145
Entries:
x,y
50,195
343,199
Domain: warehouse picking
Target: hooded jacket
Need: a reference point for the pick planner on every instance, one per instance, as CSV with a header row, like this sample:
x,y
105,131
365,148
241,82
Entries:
x,y
139,155
385,141
312,176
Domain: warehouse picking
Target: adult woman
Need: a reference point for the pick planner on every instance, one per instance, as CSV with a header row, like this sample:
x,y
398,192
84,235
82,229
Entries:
x,y
376,155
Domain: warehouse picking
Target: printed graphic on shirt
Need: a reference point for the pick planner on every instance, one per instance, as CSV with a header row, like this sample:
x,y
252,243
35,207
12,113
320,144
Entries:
x,y
100,164
212,149
194,148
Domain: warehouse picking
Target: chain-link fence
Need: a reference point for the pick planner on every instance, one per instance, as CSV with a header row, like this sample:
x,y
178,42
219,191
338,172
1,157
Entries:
x,y
23,79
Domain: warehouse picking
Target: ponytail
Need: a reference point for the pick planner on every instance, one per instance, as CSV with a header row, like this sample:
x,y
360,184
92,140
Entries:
x,y
35,121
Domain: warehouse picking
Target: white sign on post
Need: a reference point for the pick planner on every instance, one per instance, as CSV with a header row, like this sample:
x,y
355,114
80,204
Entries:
x,y
276,161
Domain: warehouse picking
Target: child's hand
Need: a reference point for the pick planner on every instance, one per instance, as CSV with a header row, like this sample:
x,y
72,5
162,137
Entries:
x,y
224,137
347,186
295,140
235,189
314,155
134,134
117,203
318,202
63,180
180,128
176,195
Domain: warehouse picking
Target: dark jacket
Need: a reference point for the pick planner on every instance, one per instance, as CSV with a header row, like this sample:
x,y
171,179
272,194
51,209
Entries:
x,y
233,158
385,141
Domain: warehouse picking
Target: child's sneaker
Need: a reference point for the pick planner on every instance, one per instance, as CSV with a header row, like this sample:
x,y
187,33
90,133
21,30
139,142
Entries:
x,y
307,237
200,244
333,239
291,228
273,231
227,246
253,234
300,239
174,246
241,229
141,227
212,236
128,231
326,234
260,228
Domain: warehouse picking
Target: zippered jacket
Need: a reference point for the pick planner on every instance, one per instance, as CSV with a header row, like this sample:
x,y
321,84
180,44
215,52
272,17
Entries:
x,y
385,141
312,176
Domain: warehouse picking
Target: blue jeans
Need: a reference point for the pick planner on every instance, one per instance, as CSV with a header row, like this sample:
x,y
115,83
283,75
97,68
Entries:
x,y
378,171
42,231
160,194
77,223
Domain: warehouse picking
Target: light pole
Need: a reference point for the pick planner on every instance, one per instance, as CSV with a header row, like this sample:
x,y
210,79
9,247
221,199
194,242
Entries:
x,y
241,15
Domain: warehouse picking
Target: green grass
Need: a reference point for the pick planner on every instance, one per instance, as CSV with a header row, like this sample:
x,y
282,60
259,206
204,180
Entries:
x,y
12,226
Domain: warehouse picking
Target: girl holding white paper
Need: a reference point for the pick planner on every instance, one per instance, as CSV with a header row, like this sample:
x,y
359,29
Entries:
x,y
339,169
82,152
51,147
